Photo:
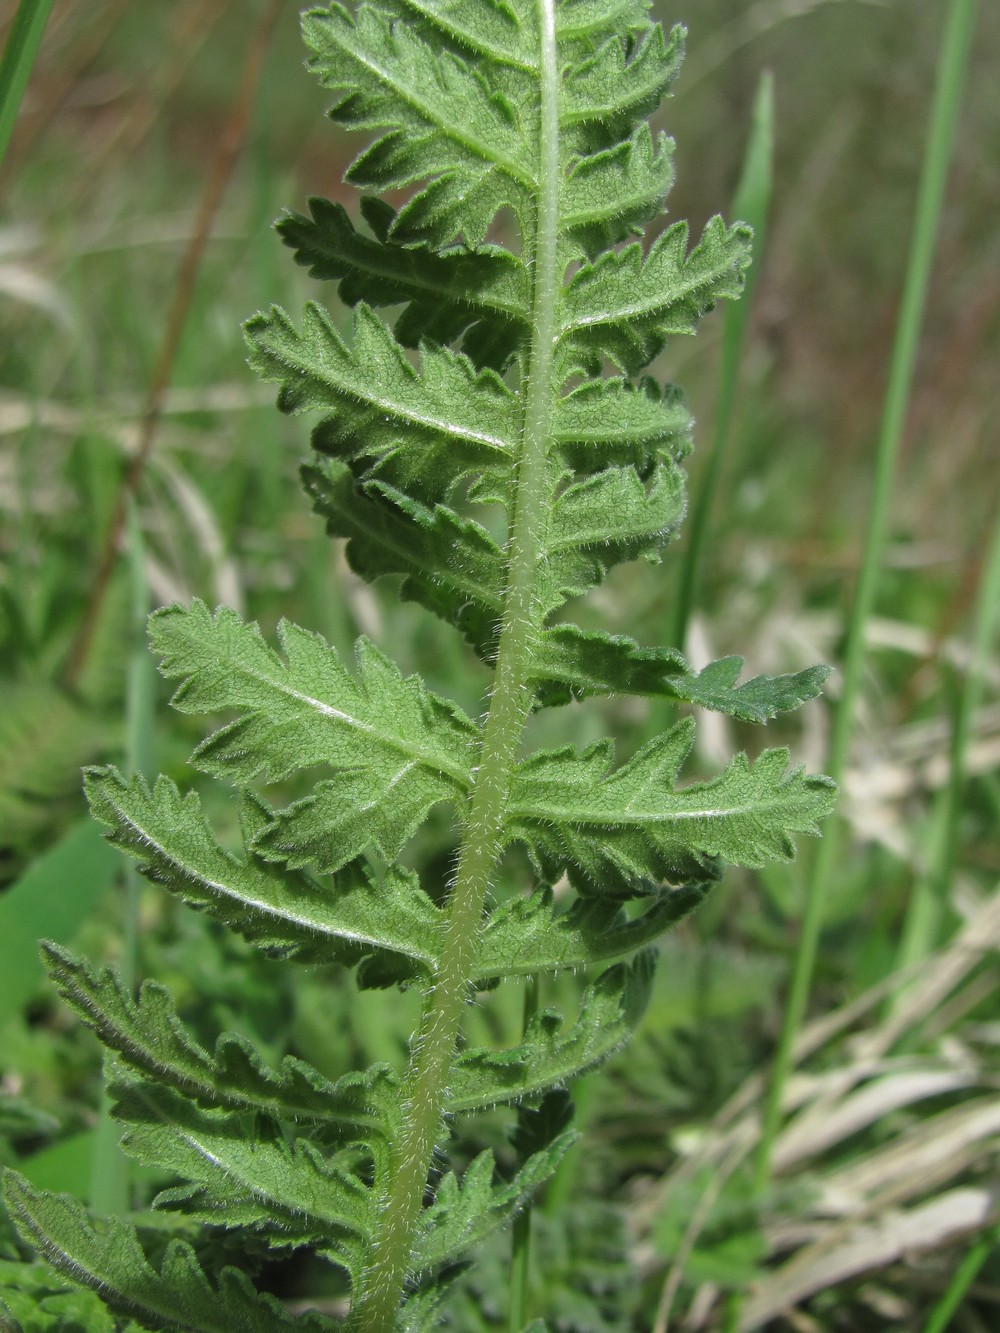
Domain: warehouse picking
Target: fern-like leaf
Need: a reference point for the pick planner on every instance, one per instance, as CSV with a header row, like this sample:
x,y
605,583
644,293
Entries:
x,y
347,918
470,442
386,735
615,831
148,1036
109,1259
549,1057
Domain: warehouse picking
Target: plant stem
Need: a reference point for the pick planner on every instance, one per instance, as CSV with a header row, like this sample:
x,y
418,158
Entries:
x,y
951,68
378,1294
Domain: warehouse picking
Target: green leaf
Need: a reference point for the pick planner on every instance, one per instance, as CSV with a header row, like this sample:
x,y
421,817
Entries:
x,y
572,662
624,305
451,565
242,1170
464,1213
148,1035
398,749
447,294
590,21
441,120
503,33
612,194
615,421
445,405
344,920
605,519
548,1057
109,1259
622,79
756,700
524,936
632,825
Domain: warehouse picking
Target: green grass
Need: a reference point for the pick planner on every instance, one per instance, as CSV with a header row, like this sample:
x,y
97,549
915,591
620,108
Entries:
x,y
23,41
955,46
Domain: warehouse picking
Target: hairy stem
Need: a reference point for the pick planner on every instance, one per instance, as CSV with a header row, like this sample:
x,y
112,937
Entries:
x,y
378,1293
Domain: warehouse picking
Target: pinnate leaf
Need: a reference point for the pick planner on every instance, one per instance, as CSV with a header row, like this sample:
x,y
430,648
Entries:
x,y
524,936
549,1057
149,1037
344,920
108,1258
615,830
625,304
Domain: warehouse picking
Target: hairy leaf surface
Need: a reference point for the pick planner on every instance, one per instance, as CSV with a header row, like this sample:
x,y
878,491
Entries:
x,y
613,830
529,935
176,1294
384,733
147,1035
575,662
242,1168
549,1056
343,919
464,1213
626,304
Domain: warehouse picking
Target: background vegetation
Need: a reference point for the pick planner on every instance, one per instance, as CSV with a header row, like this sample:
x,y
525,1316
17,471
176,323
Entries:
x,y
885,1187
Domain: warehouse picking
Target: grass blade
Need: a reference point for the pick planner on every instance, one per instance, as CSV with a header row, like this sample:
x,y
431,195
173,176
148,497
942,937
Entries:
x,y
751,202
18,58
962,1280
110,1169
